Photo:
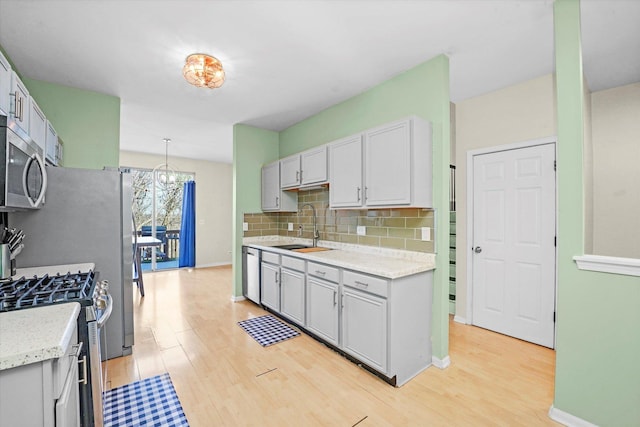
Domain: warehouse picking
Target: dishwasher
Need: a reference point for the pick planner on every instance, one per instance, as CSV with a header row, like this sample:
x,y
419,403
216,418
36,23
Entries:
x,y
251,274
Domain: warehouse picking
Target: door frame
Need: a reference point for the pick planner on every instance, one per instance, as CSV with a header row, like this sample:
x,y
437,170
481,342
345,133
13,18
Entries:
x,y
470,210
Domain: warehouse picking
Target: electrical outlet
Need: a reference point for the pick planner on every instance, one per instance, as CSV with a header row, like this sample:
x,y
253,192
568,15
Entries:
x,y
245,226
426,233
361,230
290,226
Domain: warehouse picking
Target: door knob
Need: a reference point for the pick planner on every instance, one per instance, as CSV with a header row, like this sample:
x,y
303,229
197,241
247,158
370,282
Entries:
x,y
477,249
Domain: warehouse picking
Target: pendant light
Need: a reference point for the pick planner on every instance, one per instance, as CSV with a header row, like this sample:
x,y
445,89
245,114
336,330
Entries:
x,y
164,174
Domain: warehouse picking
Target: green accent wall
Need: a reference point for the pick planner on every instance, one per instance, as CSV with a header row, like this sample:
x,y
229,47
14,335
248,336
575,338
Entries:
x,y
598,314
422,91
252,147
87,122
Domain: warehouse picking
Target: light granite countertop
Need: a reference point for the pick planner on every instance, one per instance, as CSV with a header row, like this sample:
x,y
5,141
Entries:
x,y
388,263
36,334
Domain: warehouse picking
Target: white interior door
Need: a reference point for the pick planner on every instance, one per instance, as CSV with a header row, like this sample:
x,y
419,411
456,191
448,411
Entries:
x,y
513,255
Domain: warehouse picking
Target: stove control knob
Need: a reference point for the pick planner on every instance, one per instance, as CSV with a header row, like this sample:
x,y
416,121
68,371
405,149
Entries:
x,y
101,304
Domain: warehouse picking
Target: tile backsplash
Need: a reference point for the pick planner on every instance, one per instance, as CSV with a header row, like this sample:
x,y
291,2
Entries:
x,y
398,228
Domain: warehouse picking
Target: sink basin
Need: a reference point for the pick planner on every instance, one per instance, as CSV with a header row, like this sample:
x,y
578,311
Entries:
x,y
292,247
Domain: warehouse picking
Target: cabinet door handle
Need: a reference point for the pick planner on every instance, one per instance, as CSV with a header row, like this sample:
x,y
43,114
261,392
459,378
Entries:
x,y
297,176
321,272
83,380
358,193
15,104
363,284
366,196
277,202
18,107
335,297
277,281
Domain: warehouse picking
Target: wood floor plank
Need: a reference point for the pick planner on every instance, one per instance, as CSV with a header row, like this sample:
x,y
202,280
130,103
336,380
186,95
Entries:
x,y
186,325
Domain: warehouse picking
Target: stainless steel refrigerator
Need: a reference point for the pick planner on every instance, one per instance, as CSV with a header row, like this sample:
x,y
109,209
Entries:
x,y
87,218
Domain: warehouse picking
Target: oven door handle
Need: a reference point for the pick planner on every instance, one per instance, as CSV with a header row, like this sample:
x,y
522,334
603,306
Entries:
x,y
106,313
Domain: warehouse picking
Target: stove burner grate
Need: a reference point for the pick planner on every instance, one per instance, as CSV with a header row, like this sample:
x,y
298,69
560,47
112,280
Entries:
x,y
35,291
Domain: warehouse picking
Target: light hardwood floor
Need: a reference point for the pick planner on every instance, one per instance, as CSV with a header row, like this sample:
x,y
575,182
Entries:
x,y
186,326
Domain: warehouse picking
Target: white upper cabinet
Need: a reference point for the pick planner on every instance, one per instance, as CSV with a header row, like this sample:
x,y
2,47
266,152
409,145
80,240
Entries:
x,y
388,165
290,171
396,159
345,164
313,166
37,125
51,144
5,85
270,186
19,109
304,169
273,198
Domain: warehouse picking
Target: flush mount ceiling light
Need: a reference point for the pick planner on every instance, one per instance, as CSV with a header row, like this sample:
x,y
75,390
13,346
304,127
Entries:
x,y
203,71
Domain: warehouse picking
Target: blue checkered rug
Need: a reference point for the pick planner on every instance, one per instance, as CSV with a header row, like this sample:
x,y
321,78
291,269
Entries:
x,y
267,330
149,402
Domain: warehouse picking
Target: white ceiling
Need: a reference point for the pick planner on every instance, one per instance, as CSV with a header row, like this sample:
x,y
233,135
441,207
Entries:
x,y
287,60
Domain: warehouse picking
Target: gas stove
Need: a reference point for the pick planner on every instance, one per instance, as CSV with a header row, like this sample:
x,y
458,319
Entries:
x,y
37,291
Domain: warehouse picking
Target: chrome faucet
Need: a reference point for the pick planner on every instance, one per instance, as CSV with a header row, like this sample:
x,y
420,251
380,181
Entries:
x,y
316,235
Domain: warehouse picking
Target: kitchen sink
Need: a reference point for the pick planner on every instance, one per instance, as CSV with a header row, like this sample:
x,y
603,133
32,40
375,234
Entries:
x,y
292,246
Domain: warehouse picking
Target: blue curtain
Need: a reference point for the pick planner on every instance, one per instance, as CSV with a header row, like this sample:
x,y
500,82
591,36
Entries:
x,y
188,226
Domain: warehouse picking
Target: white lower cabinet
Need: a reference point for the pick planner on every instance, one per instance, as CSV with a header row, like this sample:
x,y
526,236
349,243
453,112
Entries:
x,y
270,283
383,323
67,406
323,309
292,288
49,387
292,295
364,328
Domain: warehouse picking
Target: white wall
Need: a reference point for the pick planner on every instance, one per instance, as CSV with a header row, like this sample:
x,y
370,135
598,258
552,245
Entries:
x,y
517,113
615,126
213,202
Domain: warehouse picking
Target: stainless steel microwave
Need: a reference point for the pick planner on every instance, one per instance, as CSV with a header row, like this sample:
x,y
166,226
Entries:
x,y
22,171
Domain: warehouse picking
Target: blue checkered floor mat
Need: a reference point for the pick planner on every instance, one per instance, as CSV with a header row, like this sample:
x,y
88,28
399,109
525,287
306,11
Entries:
x,y
267,330
149,402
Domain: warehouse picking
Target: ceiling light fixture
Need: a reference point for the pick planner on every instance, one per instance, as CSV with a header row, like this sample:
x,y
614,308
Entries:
x,y
203,71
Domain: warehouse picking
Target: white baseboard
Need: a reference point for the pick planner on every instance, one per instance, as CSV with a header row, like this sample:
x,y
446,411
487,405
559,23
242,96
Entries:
x,y
213,264
441,363
567,419
237,298
459,319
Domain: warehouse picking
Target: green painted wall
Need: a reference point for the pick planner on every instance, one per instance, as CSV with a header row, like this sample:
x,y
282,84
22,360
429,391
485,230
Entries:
x,y
422,91
252,147
598,323
87,122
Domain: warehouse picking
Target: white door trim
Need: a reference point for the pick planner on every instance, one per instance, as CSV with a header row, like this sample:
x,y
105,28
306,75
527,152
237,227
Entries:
x,y
470,208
